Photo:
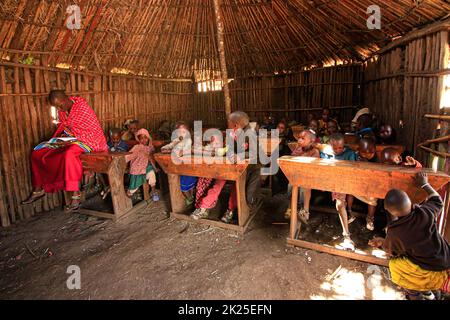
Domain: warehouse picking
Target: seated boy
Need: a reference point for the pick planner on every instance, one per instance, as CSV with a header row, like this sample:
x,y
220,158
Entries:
x,y
339,151
332,128
386,134
366,152
115,142
392,156
305,148
238,122
420,256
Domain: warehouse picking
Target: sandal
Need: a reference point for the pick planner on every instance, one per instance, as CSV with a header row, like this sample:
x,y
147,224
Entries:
x,y
73,207
35,196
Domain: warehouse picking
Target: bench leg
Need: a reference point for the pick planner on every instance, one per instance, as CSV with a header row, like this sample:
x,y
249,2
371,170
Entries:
x,y
121,203
176,196
243,209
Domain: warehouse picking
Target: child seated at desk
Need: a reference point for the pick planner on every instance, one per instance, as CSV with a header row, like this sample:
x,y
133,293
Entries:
x,y
238,122
420,256
366,152
332,128
180,146
393,157
142,166
337,150
386,134
115,142
305,148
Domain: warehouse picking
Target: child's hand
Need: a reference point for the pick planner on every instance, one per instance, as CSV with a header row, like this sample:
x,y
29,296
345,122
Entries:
x,y
421,178
376,242
410,161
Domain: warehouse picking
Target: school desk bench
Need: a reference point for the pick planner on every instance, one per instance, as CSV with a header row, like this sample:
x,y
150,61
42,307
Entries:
x,y
224,171
354,178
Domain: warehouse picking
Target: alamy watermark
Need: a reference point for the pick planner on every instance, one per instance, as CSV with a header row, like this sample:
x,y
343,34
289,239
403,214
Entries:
x,y
373,22
74,280
73,21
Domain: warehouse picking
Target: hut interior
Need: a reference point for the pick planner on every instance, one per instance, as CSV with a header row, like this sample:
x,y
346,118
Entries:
x,y
193,60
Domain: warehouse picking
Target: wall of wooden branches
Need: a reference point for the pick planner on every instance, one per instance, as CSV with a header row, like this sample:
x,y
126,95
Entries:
x,y
290,96
406,81
25,119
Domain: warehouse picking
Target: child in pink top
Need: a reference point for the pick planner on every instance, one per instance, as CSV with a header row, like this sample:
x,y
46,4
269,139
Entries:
x,y
142,166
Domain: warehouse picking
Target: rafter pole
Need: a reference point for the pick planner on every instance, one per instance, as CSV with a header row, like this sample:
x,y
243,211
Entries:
x,y
221,48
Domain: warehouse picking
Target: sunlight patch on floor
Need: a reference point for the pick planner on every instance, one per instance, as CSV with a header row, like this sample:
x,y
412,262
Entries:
x,y
351,285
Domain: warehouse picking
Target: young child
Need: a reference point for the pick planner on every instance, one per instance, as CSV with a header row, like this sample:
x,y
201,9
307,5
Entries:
x,y
367,153
339,151
142,166
393,157
115,142
386,134
238,122
129,136
305,148
181,146
420,256
332,128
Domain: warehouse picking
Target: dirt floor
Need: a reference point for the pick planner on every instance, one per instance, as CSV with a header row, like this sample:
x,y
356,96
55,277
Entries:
x,y
151,256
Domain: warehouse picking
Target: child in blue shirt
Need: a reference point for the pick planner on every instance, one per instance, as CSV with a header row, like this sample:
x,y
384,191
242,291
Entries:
x,y
338,151
115,142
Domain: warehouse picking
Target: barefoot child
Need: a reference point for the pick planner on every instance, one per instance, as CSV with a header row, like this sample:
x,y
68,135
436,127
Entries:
x,y
367,153
420,256
339,151
305,148
142,166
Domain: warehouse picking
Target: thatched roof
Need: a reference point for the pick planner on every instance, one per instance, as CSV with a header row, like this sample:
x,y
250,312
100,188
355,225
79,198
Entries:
x,y
172,38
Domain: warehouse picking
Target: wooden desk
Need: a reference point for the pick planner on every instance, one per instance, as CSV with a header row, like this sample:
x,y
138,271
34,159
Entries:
x,y
114,166
355,178
223,171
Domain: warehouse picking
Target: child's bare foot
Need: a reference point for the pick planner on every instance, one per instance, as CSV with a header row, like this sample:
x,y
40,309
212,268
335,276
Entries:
x,y
370,223
303,215
348,243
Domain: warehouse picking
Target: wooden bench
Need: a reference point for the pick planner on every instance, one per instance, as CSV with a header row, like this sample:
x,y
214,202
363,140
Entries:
x,y
355,178
223,171
114,166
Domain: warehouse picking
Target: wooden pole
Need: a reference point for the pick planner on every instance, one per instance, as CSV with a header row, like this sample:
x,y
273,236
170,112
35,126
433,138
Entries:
x,y
221,49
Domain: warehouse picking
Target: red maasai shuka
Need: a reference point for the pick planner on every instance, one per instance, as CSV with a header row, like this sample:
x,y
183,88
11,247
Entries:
x,y
61,168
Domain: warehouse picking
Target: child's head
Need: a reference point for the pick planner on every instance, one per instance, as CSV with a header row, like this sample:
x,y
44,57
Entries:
x,y
309,117
337,142
313,125
143,137
132,126
306,138
397,203
367,148
281,128
332,127
115,135
386,132
326,114
391,156
364,121
238,120
182,128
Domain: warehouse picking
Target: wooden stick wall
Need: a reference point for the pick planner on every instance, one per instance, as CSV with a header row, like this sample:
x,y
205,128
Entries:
x,y
25,119
405,83
290,96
